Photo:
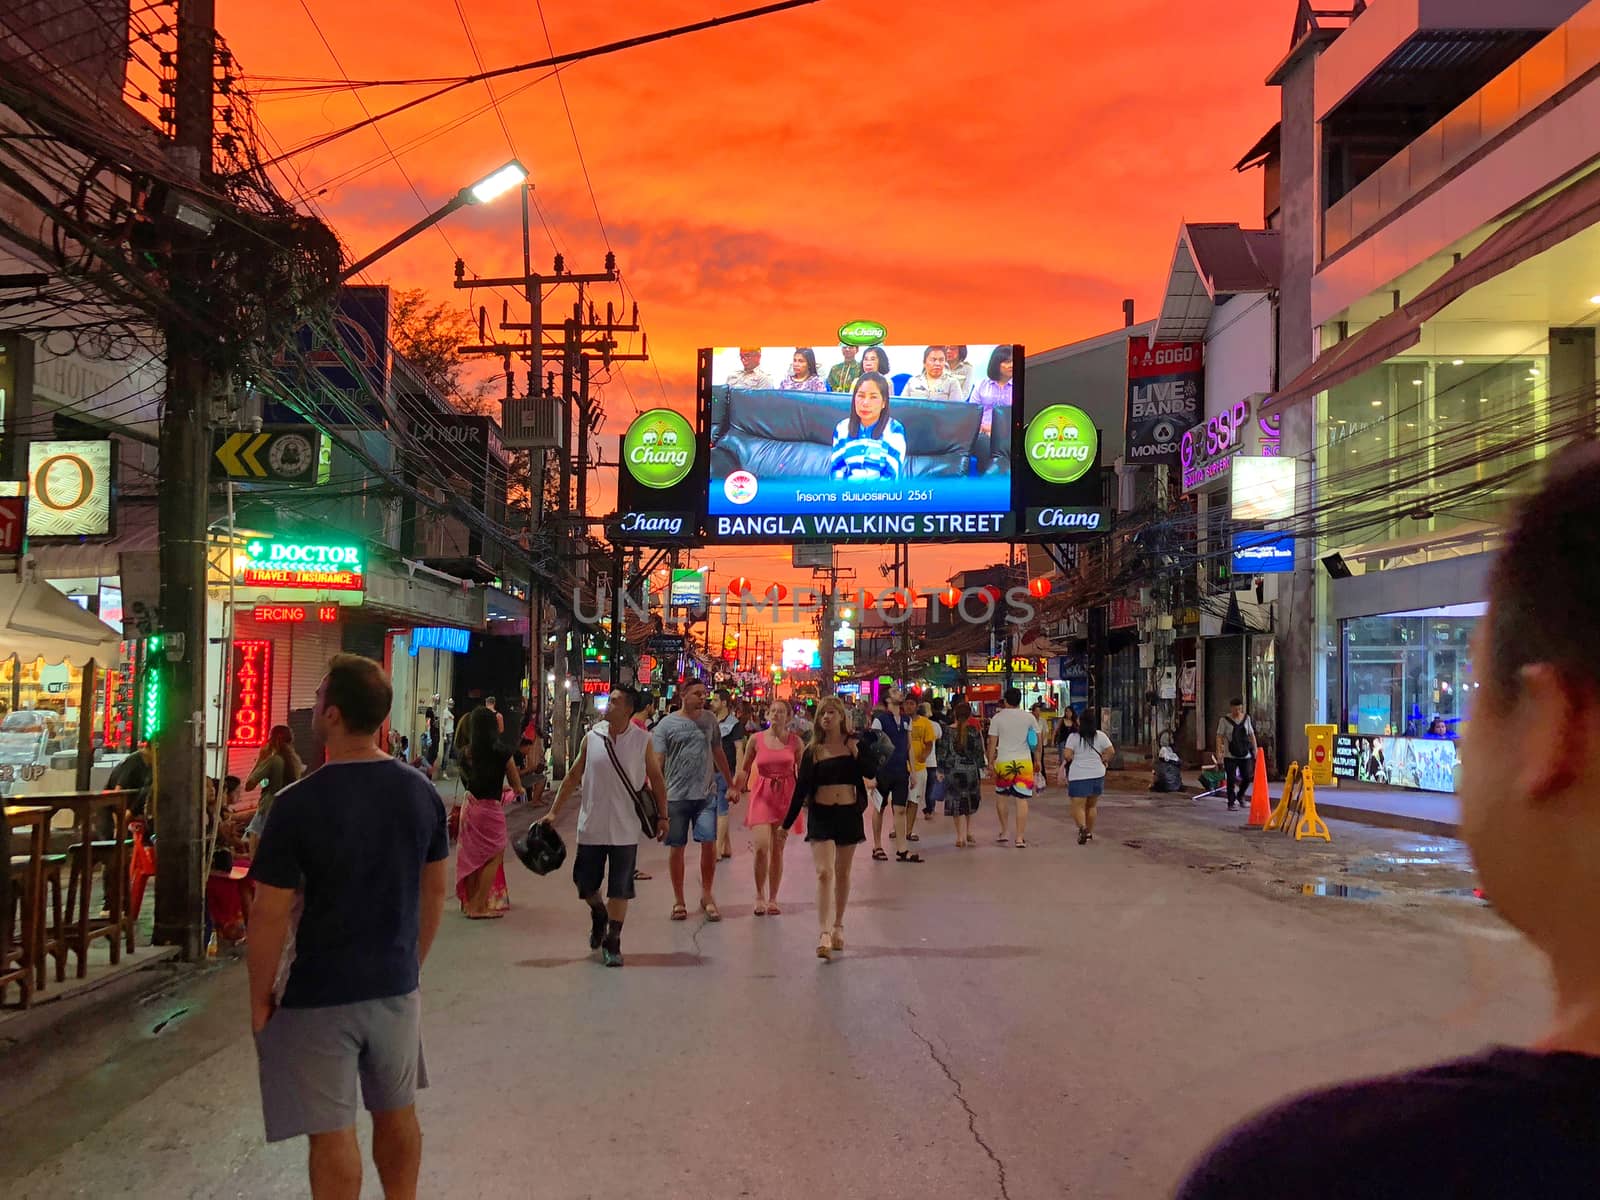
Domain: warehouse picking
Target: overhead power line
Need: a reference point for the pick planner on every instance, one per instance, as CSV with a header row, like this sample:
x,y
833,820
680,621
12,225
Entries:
x,y
553,61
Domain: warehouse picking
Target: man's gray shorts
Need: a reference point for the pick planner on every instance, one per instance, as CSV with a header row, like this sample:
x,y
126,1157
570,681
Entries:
x,y
310,1060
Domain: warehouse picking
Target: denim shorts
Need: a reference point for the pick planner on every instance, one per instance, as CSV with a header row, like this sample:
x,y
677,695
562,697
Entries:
x,y
1083,788
700,814
722,796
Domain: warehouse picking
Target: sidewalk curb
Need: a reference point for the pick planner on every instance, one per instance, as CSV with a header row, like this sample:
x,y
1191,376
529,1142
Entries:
x,y
1388,820
51,1018
1372,817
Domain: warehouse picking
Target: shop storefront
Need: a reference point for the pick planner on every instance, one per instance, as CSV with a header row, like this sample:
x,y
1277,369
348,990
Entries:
x,y
292,605
65,700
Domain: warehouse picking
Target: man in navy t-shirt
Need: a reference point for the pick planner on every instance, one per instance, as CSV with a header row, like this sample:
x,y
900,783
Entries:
x,y
1508,1122
359,846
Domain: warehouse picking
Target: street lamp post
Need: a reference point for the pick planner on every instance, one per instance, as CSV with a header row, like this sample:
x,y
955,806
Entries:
x,y
486,189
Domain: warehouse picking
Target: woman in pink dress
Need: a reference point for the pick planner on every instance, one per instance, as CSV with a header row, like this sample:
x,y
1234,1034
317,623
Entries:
x,y
773,755
491,778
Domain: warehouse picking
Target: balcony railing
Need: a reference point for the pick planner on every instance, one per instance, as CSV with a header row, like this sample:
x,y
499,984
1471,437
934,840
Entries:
x,y
1565,56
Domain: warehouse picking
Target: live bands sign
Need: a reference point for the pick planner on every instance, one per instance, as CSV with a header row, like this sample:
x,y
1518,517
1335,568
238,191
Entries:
x,y
1166,382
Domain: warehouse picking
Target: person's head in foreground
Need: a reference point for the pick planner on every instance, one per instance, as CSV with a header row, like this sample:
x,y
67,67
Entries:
x,y
1509,1122
353,700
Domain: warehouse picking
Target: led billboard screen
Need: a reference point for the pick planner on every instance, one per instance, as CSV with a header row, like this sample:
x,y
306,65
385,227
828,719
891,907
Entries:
x,y
879,442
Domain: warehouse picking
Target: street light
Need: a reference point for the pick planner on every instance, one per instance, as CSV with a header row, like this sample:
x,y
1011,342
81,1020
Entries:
x,y
497,183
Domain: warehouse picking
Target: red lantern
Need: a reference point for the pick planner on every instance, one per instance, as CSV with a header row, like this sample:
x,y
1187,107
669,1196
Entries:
x,y
950,597
777,593
1039,588
994,593
868,600
738,585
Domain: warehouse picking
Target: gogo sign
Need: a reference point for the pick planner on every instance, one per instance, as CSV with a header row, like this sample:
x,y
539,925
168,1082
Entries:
x,y
659,448
1060,443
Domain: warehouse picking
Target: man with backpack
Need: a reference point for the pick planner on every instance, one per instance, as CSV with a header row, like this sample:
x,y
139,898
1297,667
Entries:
x,y
1236,747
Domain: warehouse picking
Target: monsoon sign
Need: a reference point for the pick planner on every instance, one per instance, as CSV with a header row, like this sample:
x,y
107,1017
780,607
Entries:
x,y
658,448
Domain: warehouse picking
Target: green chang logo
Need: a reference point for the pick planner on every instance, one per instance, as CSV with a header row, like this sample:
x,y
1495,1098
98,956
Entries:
x,y
658,448
1060,443
862,333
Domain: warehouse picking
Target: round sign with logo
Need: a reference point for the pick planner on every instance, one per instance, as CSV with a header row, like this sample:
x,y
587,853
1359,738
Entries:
x,y
862,333
1060,443
1321,753
659,448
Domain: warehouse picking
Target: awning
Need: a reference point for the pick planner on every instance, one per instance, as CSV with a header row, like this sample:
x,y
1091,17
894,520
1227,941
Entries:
x,y
1564,215
137,530
38,621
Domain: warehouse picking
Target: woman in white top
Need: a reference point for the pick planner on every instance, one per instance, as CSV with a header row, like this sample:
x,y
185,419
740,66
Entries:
x,y
1086,753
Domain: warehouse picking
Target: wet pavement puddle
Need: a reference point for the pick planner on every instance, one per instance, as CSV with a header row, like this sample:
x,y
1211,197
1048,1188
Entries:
x,y
1340,891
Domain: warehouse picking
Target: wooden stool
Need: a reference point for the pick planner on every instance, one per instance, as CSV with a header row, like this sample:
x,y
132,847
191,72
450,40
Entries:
x,y
102,854
16,954
54,941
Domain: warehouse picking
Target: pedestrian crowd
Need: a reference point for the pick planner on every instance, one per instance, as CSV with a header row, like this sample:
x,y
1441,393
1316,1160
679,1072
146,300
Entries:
x,y
350,881
822,774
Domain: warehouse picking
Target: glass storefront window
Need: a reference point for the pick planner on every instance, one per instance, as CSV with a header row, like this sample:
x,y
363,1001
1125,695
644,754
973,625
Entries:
x,y
1430,435
1403,671
39,719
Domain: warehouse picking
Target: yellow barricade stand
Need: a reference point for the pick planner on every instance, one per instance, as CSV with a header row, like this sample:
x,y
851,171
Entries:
x,y
1280,815
1311,825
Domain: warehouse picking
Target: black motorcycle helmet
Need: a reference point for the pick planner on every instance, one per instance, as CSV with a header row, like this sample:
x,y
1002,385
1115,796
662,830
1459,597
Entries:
x,y
541,848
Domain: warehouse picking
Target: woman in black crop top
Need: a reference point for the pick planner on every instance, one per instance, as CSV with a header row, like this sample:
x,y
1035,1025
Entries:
x,y
487,770
832,788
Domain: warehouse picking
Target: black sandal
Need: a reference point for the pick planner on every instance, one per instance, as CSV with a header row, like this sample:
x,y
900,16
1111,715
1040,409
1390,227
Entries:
x,y
907,856
878,855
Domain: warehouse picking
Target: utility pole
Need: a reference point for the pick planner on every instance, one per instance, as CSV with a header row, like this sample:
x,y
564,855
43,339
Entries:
x,y
580,342
185,448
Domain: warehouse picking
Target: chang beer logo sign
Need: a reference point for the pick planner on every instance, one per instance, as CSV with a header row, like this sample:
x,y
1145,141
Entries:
x,y
1060,443
659,448
862,333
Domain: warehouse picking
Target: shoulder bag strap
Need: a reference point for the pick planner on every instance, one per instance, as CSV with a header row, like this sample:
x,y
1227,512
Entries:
x,y
644,800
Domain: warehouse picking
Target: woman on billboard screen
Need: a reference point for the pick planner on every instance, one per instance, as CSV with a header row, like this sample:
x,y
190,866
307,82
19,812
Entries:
x,y
869,443
802,376
994,391
876,359
936,382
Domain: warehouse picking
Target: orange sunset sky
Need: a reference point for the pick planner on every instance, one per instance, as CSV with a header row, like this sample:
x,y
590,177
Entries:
x,y
960,172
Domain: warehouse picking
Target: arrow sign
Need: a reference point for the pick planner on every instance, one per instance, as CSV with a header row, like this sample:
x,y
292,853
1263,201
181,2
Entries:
x,y
282,454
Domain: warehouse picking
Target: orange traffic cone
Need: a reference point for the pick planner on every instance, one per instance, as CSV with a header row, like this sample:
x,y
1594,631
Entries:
x,y
1260,806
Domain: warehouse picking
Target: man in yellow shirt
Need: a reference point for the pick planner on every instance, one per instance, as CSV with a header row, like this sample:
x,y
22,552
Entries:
x,y
924,735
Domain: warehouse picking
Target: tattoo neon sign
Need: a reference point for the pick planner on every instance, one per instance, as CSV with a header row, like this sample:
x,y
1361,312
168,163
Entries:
x,y
250,693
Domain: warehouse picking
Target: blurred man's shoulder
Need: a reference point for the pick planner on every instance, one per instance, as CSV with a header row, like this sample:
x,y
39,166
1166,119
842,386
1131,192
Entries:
x,y
1505,1119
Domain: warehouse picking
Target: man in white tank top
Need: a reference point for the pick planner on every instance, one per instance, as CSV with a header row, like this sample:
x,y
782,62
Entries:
x,y
608,824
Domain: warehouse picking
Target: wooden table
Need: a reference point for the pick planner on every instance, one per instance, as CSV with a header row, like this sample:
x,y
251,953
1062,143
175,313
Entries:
x,y
119,928
22,816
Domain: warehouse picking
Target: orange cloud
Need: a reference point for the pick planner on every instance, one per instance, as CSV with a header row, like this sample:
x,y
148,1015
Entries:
x,y
1008,172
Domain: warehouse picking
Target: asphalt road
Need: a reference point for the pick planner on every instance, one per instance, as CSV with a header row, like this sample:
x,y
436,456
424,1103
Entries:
x,y
1059,1020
